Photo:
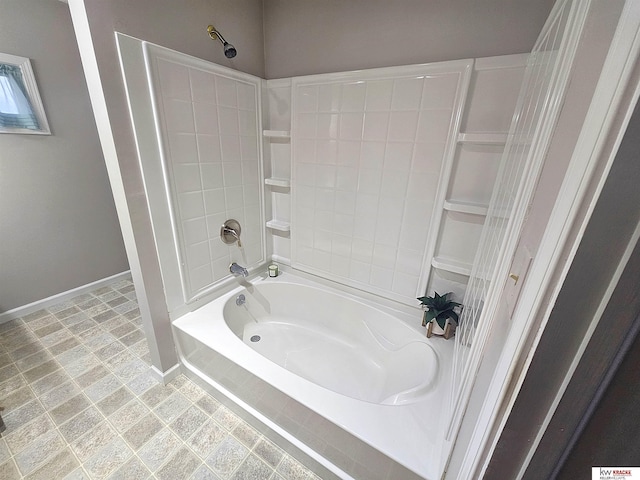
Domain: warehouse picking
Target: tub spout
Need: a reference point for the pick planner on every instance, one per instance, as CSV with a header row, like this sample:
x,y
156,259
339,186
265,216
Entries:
x,y
238,270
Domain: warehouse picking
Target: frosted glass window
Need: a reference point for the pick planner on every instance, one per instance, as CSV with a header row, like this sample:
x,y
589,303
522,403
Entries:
x,y
21,109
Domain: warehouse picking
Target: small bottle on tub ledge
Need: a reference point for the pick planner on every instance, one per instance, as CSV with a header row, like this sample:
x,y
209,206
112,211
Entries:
x,y
273,270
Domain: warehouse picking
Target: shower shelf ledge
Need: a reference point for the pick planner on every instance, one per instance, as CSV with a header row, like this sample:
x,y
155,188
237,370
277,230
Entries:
x,y
465,207
279,225
278,182
451,265
483,138
276,133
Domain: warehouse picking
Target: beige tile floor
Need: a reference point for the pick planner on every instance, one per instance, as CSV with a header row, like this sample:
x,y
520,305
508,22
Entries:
x,y
80,403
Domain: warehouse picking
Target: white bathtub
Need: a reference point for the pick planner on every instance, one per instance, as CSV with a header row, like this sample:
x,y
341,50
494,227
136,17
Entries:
x,y
356,382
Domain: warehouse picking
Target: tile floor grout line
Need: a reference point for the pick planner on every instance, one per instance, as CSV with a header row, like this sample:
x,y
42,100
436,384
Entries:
x,y
116,325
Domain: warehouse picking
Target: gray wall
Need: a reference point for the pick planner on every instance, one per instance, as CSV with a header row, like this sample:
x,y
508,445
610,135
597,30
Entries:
x,y
309,36
58,223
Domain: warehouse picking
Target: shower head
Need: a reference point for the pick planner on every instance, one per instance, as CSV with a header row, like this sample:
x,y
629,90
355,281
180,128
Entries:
x,y
229,50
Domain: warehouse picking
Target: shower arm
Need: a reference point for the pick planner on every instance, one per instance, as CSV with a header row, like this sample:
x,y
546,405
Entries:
x,y
214,34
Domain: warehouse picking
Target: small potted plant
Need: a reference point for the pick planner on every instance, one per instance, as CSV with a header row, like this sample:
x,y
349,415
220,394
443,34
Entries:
x,y
439,315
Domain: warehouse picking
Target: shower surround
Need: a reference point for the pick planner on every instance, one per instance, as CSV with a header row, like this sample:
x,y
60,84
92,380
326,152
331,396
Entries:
x,y
375,181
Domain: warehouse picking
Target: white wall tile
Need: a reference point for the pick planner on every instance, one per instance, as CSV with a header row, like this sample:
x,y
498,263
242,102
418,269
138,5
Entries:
x,y
211,175
394,183
425,157
214,201
179,116
329,97
305,174
372,154
226,90
359,271
191,205
351,126
174,80
230,148
433,125
325,176
363,203
379,95
323,220
384,256
251,194
325,198
200,277
195,231
327,125
376,125
341,245
307,99
228,121
340,266
345,201
206,118
369,181
362,250
209,148
346,178
407,93
198,254
234,198
249,149
183,147
250,173
353,97
232,174
246,96
306,149
343,224
409,261
247,123
203,86
348,153
404,284
402,126
306,125
381,277
398,156
187,177
322,241
439,92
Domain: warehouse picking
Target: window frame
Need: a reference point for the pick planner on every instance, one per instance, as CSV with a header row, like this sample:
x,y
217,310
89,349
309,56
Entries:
x,y
31,86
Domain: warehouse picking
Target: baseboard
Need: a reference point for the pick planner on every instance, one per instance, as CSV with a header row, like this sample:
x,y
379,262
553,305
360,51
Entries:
x,y
59,298
166,377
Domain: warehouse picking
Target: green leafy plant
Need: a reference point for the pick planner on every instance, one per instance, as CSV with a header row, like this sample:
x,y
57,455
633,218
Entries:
x,y
439,308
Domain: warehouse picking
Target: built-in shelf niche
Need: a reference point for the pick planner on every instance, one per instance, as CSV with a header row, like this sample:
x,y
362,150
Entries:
x,y
483,135
282,134
279,225
278,182
277,145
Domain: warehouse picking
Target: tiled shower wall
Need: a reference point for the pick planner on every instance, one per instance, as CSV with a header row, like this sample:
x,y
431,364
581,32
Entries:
x,y
368,153
209,123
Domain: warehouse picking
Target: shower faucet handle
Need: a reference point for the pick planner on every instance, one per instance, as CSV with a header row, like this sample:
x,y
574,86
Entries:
x,y
230,232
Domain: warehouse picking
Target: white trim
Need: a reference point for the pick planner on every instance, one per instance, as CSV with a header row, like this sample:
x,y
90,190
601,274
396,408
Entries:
x,y
169,375
60,297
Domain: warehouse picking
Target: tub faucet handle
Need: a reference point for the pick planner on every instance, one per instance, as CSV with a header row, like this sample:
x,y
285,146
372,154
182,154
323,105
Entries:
x,y
238,270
